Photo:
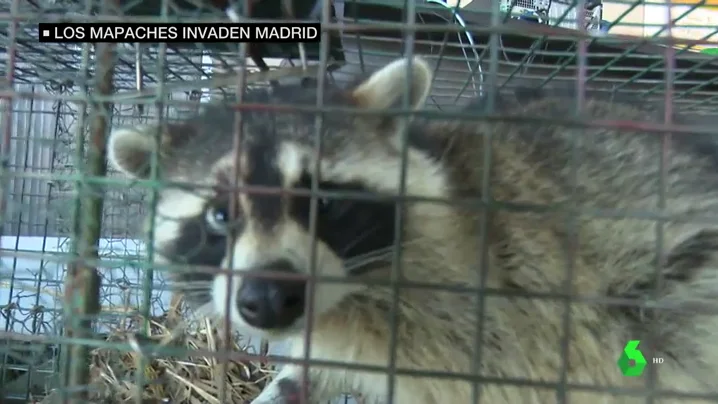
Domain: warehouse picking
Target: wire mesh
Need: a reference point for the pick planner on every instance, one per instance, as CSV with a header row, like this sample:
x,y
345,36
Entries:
x,y
50,115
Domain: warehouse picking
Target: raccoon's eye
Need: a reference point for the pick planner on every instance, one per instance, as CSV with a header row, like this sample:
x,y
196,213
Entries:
x,y
324,205
217,219
333,209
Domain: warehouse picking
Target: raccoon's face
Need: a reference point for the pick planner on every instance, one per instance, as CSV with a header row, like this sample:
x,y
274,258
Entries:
x,y
273,228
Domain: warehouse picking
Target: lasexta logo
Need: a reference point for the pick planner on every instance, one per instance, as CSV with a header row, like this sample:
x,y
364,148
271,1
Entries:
x,y
632,362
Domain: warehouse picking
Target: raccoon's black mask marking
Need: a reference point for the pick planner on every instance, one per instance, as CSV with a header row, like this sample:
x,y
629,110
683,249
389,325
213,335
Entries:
x,y
196,245
350,227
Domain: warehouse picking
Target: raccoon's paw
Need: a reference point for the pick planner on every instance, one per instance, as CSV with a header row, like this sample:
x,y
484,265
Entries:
x,y
280,391
286,388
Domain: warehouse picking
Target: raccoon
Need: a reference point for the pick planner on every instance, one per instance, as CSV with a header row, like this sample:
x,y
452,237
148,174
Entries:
x,y
549,209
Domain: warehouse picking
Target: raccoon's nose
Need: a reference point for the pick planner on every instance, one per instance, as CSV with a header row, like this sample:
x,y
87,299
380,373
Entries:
x,y
271,303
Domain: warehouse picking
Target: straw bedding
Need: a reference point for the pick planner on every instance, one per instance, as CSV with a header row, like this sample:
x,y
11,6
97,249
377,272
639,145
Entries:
x,y
190,379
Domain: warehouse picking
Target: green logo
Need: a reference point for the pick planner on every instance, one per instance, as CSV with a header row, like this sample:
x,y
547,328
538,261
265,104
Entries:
x,y
631,353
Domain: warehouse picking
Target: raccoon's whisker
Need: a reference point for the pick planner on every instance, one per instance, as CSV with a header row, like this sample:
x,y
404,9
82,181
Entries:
x,y
373,253
361,237
356,263
370,254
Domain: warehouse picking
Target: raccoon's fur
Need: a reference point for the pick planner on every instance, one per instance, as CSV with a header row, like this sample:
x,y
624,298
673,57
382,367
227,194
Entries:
x,y
590,222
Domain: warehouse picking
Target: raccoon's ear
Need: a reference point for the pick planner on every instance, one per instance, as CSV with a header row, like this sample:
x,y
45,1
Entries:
x,y
129,150
385,88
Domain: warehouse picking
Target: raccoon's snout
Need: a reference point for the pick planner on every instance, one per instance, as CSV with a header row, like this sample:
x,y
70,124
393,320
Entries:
x,y
271,303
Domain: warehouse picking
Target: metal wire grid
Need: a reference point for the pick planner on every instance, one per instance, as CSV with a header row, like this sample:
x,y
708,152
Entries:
x,y
39,225
38,218
516,65
39,221
44,156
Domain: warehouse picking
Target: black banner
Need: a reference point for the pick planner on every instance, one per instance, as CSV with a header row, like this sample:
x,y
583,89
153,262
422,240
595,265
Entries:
x,y
178,32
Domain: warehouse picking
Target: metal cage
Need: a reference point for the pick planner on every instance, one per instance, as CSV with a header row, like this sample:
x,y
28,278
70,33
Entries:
x,y
559,13
79,298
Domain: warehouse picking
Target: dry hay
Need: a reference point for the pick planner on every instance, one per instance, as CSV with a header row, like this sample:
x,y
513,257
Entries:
x,y
191,379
